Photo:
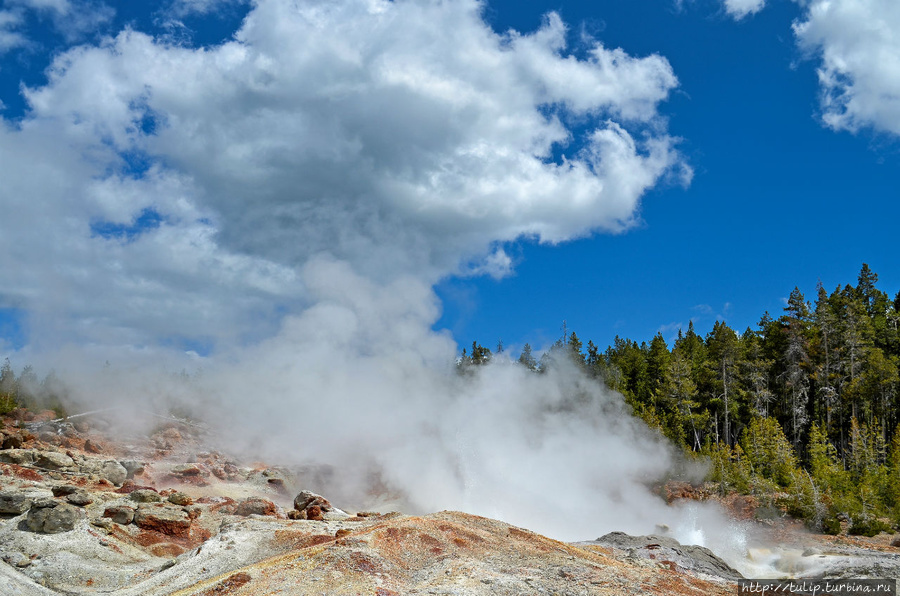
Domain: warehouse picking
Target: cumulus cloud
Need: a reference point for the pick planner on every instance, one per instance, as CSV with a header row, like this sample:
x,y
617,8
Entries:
x,y
859,74
402,137
743,8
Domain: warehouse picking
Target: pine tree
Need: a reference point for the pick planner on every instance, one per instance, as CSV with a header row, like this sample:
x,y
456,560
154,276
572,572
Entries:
x,y
526,358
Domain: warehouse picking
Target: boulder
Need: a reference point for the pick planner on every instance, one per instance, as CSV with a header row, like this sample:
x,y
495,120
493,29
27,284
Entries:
x,y
21,457
51,517
13,440
14,503
306,498
256,506
163,518
179,498
145,495
132,467
53,460
92,446
110,470
80,498
190,469
63,490
121,514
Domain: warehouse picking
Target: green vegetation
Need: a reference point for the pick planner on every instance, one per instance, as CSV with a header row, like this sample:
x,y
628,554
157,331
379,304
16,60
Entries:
x,y
801,412
25,391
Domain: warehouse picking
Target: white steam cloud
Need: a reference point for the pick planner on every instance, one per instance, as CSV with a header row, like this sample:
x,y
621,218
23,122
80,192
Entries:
x,y
288,198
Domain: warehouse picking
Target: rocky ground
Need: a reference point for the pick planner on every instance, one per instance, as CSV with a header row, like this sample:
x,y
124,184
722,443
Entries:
x,y
85,514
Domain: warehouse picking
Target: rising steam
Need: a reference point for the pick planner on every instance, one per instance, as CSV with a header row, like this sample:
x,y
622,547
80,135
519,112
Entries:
x,y
273,212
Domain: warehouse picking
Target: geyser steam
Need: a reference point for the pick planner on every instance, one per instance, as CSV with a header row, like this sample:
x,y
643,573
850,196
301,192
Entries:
x,y
283,203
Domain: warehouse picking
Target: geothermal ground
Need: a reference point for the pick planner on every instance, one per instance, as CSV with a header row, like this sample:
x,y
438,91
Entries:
x,y
161,514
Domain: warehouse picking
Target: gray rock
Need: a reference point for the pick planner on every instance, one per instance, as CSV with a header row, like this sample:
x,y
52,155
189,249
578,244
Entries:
x,y
145,495
64,490
132,467
13,503
54,519
53,460
121,514
696,558
22,457
79,498
110,470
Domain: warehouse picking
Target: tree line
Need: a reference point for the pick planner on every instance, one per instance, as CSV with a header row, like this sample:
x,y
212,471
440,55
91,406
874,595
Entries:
x,y
802,408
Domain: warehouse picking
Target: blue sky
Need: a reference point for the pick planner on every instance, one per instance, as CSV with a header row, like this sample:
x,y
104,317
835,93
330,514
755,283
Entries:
x,y
176,176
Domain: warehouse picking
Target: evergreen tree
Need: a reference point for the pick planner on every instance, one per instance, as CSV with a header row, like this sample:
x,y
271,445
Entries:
x,y
526,358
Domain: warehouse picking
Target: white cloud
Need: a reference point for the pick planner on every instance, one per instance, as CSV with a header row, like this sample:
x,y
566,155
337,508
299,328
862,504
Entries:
x,y
10,37
74,19
182,8
401,137
742,8
859,49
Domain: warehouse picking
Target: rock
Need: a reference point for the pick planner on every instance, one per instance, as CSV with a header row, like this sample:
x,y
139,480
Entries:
x,y
63,490
190,469
79,498
696,558
314,512
294,514
17,559
13,440
14,503
256,506
53,460
164,519
50,517
132,467
92,447
896,542
129,487
145,495
21,457
307,498
179,498
121,514
167,439
110,470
